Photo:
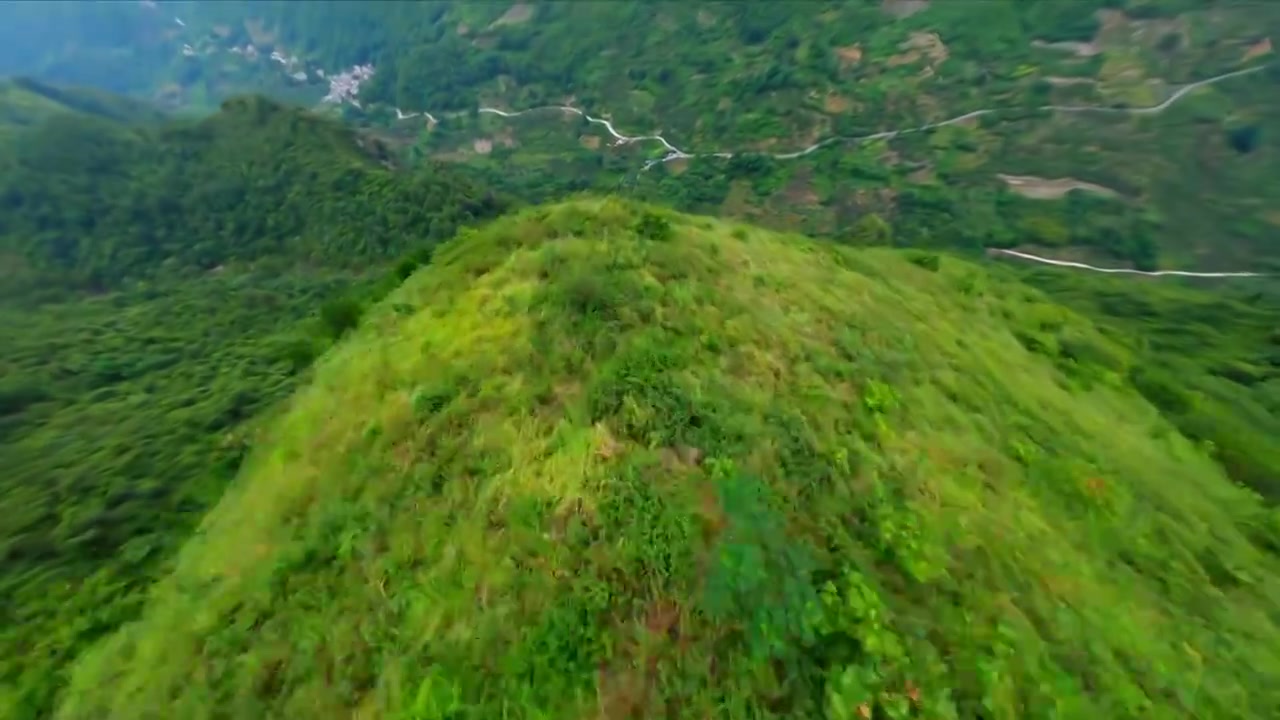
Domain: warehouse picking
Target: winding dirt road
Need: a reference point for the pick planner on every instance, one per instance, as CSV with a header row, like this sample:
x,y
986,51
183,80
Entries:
x,y
675,153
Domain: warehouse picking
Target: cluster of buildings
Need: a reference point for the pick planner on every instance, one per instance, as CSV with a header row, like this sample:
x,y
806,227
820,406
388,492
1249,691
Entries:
x,y
345,86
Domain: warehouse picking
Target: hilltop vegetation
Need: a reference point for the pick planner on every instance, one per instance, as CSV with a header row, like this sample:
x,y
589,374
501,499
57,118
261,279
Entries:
x,y
160,286
601,458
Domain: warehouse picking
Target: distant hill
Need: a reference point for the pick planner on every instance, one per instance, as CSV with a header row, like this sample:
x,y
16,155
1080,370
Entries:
x,y
115,46
94,201
25,103
604,460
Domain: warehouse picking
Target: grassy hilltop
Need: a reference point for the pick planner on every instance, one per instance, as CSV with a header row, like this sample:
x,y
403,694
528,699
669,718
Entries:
x,y
602,460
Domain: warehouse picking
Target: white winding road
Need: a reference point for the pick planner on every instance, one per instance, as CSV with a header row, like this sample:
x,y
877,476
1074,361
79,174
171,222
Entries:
x,y
1127,271
675,153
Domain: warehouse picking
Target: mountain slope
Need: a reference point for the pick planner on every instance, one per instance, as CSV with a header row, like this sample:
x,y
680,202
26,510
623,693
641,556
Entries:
x,y
26,103
602,460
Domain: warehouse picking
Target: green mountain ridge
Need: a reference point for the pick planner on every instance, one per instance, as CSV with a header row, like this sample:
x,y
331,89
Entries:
x,y
602,458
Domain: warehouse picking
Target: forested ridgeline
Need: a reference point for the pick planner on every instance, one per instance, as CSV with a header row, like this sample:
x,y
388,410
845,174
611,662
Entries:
x,y
94,202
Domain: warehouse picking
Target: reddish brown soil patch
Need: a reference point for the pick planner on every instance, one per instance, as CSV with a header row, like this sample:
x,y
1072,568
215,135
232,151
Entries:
x,y
1258,49
849,55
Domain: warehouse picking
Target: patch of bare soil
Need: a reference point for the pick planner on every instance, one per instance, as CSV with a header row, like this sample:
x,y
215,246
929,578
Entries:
x,y
483,146
836,104
1258,49
899,9
519,13
1064,81
800,191
849,55
463,29
1079,49
817,128
923,175
590,142
222,31
927,45
1038,188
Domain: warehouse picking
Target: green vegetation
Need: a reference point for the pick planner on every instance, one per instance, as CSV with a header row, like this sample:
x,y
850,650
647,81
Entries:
x,y
1189,187
742,78
602,459
26,103
256,181
1209,360
161,286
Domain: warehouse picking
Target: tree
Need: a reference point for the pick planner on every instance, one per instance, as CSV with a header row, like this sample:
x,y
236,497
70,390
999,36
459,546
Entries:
x,y
1244,139
871,229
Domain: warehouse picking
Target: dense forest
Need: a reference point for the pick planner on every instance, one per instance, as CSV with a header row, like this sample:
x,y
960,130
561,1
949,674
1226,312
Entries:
x,y
163,284
96,203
